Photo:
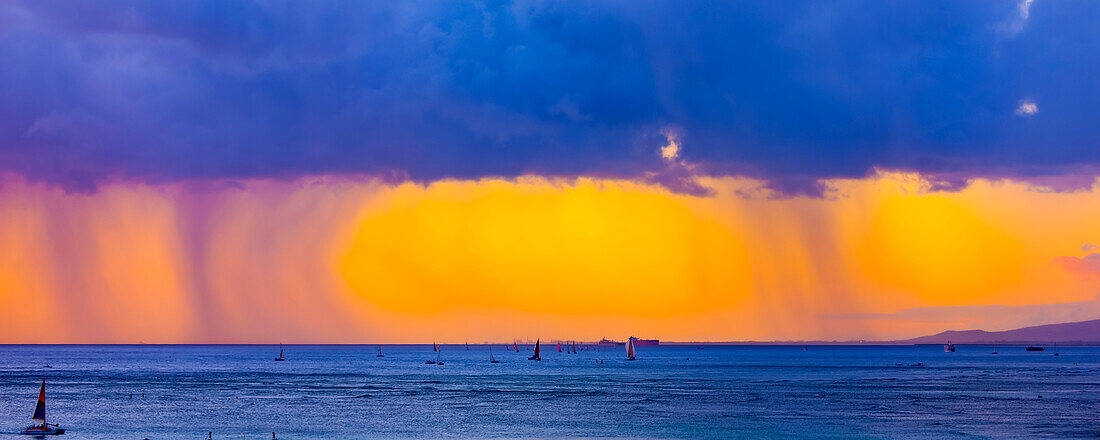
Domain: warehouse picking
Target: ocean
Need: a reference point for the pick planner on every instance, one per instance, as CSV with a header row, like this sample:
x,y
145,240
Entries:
x,y
751,392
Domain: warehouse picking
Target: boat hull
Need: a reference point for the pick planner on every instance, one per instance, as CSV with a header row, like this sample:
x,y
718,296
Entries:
x,y
38,430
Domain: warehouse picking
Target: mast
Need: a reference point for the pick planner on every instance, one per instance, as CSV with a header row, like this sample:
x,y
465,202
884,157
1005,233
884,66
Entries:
x,y
630,348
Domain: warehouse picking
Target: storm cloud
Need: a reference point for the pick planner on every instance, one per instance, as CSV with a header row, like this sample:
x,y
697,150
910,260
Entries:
x,y
789,92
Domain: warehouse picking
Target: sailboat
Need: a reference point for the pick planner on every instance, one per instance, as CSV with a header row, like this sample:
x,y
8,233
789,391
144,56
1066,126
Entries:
x,y
559,347
574,347
536,357
438,361
630,349
492,360
40,416
378,348
280,358
436,350
514,346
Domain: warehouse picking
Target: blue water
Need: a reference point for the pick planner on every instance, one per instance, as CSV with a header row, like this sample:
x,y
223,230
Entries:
x,y
239,392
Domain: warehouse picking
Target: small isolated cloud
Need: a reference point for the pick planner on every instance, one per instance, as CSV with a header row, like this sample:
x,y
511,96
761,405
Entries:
x,y
677,175
1089,247
671,150
1027,108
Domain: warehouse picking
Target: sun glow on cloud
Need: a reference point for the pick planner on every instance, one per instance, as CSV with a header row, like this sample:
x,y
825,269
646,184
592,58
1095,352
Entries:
x,y
1027,108
333,260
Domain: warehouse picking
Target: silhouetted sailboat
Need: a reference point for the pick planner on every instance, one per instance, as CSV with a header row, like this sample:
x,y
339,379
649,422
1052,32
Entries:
x,y
492,360
434,347
280,358
467,346
630,349
378,348
536,357
40,416
514,346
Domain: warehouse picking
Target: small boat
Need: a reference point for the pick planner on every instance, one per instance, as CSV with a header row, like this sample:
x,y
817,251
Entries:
x,y
536,356
492,360
438,351
434,347
1034,348
514,346
280,358
559,347
467,346
949,347
40,416
378,348
630,349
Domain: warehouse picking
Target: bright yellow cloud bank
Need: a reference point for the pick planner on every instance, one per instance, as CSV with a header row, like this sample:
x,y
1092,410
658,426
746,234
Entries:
x,y
334,260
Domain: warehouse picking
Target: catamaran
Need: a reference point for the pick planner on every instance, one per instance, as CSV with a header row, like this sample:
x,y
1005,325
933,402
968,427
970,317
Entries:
x,y
536,357
378,348
630,349
40,416
280,358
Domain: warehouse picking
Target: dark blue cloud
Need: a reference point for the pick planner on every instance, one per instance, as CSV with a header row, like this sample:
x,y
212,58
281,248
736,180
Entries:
x,y
787,91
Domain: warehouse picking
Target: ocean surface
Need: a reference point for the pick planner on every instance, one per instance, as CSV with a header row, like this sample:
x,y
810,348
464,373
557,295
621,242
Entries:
x,y
345,391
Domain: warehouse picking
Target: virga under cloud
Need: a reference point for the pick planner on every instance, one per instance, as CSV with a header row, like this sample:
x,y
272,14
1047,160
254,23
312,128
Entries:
x,y
789,92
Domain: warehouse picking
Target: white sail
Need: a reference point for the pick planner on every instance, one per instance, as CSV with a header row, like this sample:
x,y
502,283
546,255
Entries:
x,y
630,348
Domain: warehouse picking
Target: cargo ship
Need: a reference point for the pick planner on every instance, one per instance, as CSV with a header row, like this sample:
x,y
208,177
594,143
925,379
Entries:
x,y
609,343
645,341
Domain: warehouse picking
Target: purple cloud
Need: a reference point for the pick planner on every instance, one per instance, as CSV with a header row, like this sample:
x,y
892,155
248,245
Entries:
x,y
787,92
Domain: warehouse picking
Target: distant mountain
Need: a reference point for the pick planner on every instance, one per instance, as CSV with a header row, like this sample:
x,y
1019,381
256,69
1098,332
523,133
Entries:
x,y
1069,333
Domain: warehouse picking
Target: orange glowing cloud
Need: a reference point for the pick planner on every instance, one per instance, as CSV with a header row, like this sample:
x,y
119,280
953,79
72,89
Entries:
x,y
337,260
533,246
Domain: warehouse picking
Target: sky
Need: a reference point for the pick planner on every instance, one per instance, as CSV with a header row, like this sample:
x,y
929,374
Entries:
x,y
238,171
